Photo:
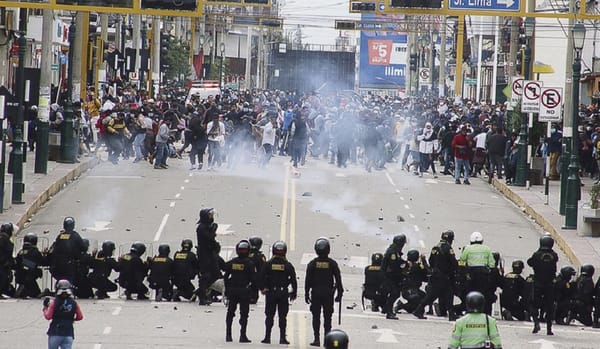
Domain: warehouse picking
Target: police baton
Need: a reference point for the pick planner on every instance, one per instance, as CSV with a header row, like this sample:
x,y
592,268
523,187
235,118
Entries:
x,y
340,312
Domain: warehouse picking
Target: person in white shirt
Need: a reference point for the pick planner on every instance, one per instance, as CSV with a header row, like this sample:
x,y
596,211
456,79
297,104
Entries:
x,y
216,138
268,139
480,152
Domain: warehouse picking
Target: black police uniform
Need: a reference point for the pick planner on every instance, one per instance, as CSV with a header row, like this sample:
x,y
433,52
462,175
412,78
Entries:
x,y
82,286
543,262
394,268
161,269
323,278
373,287
584,299
240,273
275,278
443,265
27,271
512,297
132,274
102,266
208,250
259,259
66,249
564,293
417,273
6,262
185,269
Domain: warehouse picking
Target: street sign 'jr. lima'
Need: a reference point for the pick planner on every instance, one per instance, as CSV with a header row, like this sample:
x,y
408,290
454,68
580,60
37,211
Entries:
x,y
489,5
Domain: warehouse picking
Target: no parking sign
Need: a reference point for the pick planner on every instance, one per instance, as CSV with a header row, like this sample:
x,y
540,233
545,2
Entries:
x,y
550,104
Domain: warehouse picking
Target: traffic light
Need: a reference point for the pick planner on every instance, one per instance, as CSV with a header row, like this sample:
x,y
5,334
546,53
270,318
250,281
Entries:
x,y
345,25
520,62
165,46
413,61
179,5
362,7
416,3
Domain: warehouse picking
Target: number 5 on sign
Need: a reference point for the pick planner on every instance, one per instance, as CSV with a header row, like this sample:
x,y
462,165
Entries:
x,y
383,51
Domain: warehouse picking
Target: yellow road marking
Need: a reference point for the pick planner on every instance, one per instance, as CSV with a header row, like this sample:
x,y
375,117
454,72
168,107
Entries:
x,y
293,216
284,209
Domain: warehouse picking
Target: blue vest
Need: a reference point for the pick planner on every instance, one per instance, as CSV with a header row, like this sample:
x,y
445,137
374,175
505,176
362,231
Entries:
x,y
62,320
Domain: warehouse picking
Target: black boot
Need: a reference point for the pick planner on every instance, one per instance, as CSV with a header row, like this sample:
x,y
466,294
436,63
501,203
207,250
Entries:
x,y
228,337
267,339
282,339
317,341
243,338
536,326
549,328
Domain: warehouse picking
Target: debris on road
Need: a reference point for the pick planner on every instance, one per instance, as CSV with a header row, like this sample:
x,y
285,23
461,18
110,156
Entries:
x,y
307,193
399,218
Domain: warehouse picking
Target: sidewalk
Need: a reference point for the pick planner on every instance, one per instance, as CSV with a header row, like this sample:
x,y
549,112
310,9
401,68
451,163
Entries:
x,y
579,249
39,188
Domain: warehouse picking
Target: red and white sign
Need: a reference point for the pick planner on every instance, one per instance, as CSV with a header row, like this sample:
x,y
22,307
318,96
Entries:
x,y
551,104
380,52
516,90
532,90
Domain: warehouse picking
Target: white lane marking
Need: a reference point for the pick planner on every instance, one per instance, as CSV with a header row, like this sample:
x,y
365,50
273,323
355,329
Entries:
x,y
340,175
190,175
422,243
398,191
97,346
161,227
356,262
416,227
307,257
115,177
172,204
182,188
186,181
407,207
107,330
494,197
177,195
387,174
431,181
411,215
117,311
402,198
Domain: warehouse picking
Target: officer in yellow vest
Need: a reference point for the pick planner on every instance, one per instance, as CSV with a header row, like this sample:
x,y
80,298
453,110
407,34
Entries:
x,y
476,330
479,261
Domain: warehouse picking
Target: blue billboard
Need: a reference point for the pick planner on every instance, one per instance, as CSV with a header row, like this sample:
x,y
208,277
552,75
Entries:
x,y
383,60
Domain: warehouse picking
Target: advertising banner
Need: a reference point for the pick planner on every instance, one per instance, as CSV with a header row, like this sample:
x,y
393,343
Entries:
x,y
383,58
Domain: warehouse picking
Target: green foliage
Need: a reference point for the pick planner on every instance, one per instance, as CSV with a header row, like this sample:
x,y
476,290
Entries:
x,y
178,60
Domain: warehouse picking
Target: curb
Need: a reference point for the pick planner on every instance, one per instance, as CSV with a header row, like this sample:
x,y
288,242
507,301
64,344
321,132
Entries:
x,y
54,188
538,218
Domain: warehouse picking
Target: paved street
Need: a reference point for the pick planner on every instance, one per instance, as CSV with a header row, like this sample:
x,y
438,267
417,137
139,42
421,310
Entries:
x,y
359,212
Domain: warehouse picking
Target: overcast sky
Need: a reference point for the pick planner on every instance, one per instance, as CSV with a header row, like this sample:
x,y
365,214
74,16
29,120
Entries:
x,y
316,18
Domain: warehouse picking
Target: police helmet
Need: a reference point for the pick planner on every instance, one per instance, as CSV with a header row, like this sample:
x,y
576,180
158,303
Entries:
x,y
30,239
448,236
476,238
138,248
279,248
164,250
475,302
255,243
399,240
336,339
567,272
242,248
108,247
63,288
7,228
546,241
413,255
587,270
518,266
187,244
69,224
322,247
206,215
86,244
376,258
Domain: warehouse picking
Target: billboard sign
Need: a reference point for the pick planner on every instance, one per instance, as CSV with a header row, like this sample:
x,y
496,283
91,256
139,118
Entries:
x,y
383,58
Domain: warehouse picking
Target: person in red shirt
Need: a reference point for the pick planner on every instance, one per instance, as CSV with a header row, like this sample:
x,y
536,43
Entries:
x,y
63,310
460,143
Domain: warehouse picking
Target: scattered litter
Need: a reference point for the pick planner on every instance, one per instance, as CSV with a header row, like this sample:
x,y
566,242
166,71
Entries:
x,y
156,307
307,193
48,231
426,212
158,326
248,223
278,215
399,218
78,200
29,220
357,245
374,327
155,206
183,219
208,311
127,229
351,307
83,229
174,308
184,331
520,237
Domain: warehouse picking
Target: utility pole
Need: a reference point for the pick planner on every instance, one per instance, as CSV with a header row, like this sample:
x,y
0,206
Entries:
x,y
248,76
135,37
18,185
156,55
102,72
442,70
78,55
41,143
67,148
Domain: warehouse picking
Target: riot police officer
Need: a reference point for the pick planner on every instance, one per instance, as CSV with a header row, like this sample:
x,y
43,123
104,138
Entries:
x,y
133,272
259,259
240,274
373,285
479,263
66,249
323,279
543,261
161,272
27,268
207,253
81,284
394,268
564,292
443,265
336,339
584,296
276,277
512,299
185,269
6,258
476,329
102,266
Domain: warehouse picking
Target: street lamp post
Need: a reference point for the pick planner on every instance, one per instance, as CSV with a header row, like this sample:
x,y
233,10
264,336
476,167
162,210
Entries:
x,y
222,48
67,149
522,157
201,53
141,73
573,182
17,146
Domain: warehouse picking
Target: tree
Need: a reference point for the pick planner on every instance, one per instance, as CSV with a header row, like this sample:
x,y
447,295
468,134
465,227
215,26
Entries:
x,y
178,59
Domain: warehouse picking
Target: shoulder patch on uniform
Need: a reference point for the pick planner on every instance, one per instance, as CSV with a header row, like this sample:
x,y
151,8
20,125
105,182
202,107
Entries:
x,y
393,256
238,266
322,265
278,267
64,236
160,259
